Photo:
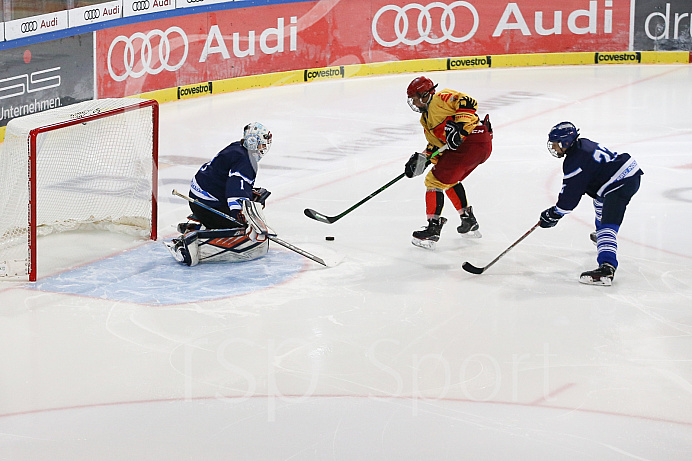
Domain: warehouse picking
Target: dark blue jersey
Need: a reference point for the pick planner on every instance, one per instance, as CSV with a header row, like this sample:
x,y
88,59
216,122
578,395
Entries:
x,y
226,180
591,169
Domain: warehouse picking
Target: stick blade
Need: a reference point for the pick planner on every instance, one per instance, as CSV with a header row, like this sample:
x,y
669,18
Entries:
x,y
468,267
312,214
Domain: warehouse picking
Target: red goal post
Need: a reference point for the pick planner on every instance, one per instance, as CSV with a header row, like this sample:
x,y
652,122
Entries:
x,y
90,165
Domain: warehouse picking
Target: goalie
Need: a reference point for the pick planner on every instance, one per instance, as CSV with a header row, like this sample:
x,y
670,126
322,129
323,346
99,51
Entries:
x,y
226,184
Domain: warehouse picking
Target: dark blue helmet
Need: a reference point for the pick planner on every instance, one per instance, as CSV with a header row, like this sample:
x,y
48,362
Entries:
x,y
564,133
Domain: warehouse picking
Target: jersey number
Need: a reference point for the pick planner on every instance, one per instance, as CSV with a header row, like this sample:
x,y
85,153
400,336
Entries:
x,y
603,155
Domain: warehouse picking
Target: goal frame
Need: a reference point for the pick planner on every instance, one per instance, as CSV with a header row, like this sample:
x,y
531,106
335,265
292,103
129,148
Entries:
x,y
32,173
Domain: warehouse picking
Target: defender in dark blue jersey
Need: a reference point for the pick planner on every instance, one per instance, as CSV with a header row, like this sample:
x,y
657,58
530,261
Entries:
x,y
609,178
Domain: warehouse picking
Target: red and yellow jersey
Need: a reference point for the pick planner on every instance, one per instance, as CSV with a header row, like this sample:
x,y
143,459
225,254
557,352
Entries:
x,y
448,105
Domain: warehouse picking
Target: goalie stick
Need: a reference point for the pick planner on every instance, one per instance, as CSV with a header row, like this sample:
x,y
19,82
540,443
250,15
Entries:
x,y
468,267
330,219
273,238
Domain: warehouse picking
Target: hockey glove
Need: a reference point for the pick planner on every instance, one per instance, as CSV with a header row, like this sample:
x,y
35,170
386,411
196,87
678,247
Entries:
x,y
453,134
488,125
416,165
550,217
259,195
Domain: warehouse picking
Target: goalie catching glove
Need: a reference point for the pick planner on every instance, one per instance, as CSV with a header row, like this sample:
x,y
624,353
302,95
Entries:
x,y
260,195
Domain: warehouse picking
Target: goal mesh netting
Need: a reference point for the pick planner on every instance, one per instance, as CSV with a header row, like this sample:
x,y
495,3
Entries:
x,y
83,166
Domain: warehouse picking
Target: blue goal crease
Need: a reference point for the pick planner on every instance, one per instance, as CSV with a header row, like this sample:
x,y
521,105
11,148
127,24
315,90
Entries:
x,y
149,275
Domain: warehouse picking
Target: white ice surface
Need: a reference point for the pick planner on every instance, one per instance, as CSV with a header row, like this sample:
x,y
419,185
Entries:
x,y
394,353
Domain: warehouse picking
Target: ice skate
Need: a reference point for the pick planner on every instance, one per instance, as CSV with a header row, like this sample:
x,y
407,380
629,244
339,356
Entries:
x,y
594,238
174,247
428,236
469,225
181,253
602,276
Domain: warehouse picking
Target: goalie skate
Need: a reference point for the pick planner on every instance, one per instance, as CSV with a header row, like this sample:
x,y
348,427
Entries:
x,y
602,276
183,252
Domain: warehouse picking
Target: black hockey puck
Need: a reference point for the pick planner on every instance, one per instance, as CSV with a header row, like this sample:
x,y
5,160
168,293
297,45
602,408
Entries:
x,y
329,237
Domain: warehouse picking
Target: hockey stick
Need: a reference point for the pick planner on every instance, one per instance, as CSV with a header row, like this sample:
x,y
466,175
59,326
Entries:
x,y
273,238
468,267
330,219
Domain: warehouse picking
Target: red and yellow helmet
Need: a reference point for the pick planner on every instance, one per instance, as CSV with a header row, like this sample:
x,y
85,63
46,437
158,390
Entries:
x,y
423,88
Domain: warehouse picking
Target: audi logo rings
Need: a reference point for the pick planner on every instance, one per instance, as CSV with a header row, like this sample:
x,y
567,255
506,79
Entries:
x,y
140,6
424,24
30,26
147,64
92,14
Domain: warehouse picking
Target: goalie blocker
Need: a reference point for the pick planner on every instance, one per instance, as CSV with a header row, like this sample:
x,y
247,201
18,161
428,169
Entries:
x,y
238,244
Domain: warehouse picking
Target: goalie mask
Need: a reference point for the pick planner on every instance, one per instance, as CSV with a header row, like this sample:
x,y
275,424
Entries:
x,y
562,135
257,139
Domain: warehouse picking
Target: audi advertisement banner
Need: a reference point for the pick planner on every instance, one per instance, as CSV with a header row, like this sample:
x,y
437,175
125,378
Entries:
x,y
205,47
35,25
46,75
95,13
471,28
663,25
218,45
191,3
135,7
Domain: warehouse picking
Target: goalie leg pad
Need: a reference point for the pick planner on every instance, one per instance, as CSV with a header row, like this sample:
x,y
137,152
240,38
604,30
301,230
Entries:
x,y
229,245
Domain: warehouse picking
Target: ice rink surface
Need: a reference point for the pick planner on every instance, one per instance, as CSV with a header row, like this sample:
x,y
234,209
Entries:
x,y
393,352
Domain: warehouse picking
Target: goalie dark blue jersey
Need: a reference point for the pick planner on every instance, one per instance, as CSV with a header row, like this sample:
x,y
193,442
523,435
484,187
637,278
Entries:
x,y
591,169
226,179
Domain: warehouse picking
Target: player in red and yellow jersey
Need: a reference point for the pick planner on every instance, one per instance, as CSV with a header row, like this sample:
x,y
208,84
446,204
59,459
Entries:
x,y
449,119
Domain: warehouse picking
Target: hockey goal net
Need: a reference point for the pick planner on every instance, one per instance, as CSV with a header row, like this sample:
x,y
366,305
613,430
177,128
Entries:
x,y
91,165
